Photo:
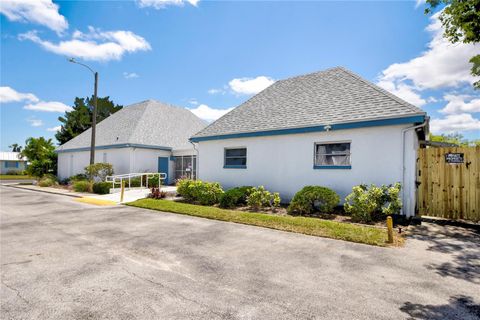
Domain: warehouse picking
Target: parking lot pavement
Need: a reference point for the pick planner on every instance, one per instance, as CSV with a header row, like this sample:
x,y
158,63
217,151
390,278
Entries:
x,y
67,260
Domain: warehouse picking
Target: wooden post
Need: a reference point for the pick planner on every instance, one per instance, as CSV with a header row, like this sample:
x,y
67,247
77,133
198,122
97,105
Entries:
x,y
122,191
390,229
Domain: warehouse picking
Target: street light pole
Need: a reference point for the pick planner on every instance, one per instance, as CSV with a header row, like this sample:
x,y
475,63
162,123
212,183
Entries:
x,y
94,112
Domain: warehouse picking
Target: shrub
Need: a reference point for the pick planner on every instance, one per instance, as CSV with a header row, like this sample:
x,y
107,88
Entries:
x,y
99,171
205,193
235,197
157,194
101,187
372,203
313,199
259,197
152,181
79,177
47,181
14,172
82,186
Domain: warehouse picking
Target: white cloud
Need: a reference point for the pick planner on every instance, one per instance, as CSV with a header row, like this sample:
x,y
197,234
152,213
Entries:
x,y
442,65
43,12
160,4
95,45
206,113
35,122
193,102
131,75
8,94
458,104
455,123
50,106
215,91
404,91
54,129
250,85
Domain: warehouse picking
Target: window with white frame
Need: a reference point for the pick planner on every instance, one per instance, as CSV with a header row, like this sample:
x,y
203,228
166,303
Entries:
x,y
332,154
235,158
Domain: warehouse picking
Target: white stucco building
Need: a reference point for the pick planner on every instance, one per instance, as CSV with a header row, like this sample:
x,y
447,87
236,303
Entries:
x,y
329,128
145,137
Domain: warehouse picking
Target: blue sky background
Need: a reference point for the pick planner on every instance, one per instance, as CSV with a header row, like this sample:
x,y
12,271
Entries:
x,y
197,48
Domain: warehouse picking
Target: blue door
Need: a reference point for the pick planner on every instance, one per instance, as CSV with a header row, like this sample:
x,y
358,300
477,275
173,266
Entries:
x,y
163,168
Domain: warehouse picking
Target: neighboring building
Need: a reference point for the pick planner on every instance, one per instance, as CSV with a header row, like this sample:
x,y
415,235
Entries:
x,y
145,137
12,162
329,128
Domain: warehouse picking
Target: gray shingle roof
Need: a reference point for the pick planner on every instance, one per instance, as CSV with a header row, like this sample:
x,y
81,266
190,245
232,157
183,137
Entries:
x,y
332,96
148,123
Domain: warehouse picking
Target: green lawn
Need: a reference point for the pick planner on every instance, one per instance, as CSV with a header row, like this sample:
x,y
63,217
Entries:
x,y
14,177
309,226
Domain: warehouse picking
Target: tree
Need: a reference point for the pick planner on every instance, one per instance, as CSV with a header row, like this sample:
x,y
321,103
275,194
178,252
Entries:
x,y
41,156
461,20
80,118
455,138
15,147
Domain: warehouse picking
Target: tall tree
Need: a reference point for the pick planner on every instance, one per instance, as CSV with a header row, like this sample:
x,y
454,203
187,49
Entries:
x,y
461,20
15,147
41,156
80,118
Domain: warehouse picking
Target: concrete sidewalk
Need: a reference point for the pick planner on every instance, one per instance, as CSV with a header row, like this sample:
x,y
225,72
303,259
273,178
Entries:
x,y
98,199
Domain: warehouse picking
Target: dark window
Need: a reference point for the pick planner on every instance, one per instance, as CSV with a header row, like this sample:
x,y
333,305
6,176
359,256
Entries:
x,y
332,154
185,167
236,158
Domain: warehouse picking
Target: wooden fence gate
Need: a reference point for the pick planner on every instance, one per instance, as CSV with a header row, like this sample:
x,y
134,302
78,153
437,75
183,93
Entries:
x,y
448,182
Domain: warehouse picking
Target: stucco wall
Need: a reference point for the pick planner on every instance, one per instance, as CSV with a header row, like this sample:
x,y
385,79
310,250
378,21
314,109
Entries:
x,y
124,160
284,163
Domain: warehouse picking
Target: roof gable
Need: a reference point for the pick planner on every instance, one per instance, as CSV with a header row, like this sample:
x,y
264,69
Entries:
x,y
329,97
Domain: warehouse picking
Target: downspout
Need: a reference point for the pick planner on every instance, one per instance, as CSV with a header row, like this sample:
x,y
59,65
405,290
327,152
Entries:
x,y
197,160
403,157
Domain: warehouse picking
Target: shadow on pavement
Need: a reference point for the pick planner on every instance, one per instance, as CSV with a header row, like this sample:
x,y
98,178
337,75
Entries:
x,y
459,307
462,245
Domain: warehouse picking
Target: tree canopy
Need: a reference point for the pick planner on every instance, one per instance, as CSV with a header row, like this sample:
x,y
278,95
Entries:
x,y
15,147
80,118
461,20
455,138
41,156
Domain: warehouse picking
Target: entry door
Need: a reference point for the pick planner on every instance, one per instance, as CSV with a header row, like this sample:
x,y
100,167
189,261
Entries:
x,y
163,167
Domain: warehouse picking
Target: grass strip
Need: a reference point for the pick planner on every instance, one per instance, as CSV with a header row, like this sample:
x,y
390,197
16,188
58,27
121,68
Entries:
x,y
305,225
14,177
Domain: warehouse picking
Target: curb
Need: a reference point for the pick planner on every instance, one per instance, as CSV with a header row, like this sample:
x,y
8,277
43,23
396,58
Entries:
x,y
44,191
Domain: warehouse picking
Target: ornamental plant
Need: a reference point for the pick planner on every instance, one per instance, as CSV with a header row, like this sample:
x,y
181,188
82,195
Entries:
x,y
367,203
313,199
99,171
259,198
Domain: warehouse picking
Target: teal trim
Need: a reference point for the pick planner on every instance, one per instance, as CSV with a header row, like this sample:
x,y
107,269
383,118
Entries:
x,y
172,158
117,146
332,167
340,126
234,167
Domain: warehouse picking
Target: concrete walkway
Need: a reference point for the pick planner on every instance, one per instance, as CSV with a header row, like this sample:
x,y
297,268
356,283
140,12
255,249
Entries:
x,y
67,260
103,199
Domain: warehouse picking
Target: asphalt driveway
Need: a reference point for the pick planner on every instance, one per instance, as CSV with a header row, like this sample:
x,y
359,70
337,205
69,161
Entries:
x,y
66,260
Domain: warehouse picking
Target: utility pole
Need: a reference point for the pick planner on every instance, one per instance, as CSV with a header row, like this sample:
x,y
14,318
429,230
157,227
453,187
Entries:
x,y
94,112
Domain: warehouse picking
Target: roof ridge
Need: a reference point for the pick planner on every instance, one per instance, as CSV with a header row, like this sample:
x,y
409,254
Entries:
x,y
383,91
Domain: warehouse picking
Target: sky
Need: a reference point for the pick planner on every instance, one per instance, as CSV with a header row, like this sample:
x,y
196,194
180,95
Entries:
x,y
210,56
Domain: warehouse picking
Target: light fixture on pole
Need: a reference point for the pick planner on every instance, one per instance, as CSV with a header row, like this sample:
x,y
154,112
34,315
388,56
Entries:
x,y
94,113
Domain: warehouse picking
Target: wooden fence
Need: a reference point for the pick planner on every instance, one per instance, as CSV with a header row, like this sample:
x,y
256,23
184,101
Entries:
x,y
449,182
